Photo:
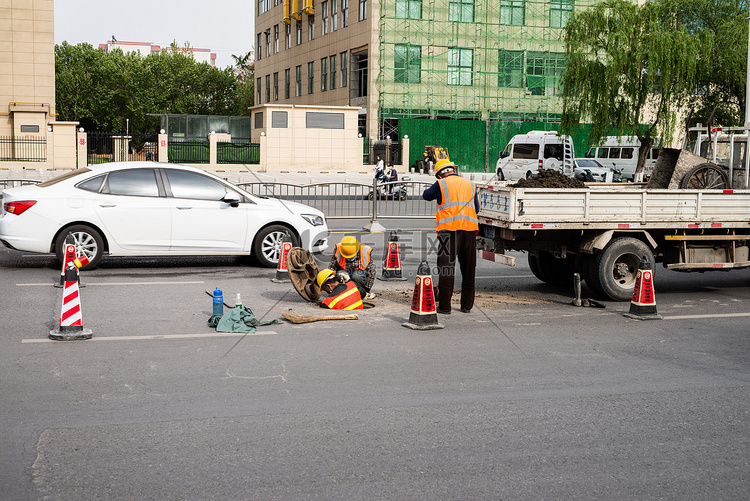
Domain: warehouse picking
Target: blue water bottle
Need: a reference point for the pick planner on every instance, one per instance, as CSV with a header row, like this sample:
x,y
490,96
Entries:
x,y
218,302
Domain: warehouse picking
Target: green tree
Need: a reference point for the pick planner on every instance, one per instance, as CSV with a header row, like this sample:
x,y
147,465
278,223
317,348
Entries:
x,y
723,72
244,69
626,62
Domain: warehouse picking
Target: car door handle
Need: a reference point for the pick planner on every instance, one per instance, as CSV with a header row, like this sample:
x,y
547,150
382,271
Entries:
x,y
183,208
107,206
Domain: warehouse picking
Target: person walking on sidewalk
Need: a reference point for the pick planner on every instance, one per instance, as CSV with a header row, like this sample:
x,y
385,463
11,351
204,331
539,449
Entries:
x,y
456,226
356,260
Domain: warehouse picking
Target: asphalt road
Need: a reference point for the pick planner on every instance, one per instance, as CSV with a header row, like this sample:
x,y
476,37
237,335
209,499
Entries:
x,y
527,397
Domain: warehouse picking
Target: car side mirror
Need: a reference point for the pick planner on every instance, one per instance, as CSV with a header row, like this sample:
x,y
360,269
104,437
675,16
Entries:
x,y
231,201
503,155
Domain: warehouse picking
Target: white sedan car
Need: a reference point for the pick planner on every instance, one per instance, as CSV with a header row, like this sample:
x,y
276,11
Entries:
x,y
154,209
589,170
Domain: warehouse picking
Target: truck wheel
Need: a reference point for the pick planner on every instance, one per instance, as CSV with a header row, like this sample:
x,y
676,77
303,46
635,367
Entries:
x,y
534,266
705,176
556,271
615,267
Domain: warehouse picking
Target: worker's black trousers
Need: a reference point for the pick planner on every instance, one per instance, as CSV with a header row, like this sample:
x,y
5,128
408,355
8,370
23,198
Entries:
x,y
452,245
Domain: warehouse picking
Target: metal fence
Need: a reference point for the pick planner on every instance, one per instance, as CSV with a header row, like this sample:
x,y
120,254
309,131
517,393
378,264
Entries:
x,y
12,183
353,200
191,151
236,152
104,147
22,149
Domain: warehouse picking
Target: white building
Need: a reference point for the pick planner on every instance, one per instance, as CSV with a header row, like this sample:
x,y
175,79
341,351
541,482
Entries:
x,y
146,48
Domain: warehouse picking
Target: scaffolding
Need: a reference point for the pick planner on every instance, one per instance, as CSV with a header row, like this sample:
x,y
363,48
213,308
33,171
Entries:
x,y
483,60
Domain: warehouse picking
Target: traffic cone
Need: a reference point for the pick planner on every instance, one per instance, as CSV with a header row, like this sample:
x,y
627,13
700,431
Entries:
x,y
71,319
423,315
282,269
643,303
69,256
392,261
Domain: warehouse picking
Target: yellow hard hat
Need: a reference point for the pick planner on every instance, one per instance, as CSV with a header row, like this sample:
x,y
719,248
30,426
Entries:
x,y
348,247
323,276
443,163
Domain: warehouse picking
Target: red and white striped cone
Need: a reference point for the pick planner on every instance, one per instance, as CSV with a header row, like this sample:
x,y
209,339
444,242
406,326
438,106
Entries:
x,y
392,261
282,270
423,315
71,318
69,256
643,303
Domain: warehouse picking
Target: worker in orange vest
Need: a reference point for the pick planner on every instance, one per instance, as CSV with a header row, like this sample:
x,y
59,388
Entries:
x,y
457,227
342,294
356,260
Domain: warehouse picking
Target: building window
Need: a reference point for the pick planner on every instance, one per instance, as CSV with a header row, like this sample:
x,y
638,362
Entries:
x,y
407,62
362,10
311,28
268,88
334,15
510,68
333,72
512,12
323,74
324,9
276,86
268,42
409,9
344,13
543,71
276,39
260,91
298,82
263,6
461,10
299,33
559,12
343,69
288,36
259,46
460,66
287,83
310,77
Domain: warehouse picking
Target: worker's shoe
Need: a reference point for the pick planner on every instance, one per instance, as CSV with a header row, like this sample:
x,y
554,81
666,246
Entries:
x,y
370,295
446,312
465,310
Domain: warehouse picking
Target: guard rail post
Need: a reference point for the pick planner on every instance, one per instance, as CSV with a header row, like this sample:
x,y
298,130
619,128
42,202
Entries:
x,y
374,226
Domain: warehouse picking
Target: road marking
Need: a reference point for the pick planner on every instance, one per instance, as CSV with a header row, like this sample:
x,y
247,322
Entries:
x,y
164,336
121,283
716,315
508,276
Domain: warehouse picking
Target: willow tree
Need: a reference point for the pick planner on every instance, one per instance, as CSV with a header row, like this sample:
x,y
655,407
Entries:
x,y
629,68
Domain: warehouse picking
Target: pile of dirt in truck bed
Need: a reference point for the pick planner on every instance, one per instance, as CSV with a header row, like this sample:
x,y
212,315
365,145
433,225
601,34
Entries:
x,y
548,178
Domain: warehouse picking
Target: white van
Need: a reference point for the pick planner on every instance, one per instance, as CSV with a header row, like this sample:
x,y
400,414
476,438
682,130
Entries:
x,y
526,154
621,152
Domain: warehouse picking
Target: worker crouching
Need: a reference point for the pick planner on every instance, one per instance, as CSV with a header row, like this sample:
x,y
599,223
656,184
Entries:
x,y
356,260
343,293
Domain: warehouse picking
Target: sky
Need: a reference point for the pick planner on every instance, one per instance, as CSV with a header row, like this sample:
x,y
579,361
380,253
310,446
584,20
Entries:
x,y
224,26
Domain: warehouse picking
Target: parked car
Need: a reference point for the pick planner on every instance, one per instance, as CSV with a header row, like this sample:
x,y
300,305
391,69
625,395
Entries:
x,y
527,154
621,153
153,209
596,171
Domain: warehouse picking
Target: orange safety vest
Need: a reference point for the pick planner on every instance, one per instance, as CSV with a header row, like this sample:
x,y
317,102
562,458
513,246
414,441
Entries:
x,y
350,299
364,256
456,212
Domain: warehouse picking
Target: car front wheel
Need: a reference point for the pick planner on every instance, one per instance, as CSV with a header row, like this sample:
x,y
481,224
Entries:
x,y
267,245
87,242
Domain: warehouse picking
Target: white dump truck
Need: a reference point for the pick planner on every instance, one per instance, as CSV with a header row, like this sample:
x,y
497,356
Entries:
x,y
603,231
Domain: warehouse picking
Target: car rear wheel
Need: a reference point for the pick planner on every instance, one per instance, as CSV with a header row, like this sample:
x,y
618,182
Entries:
x,y
267,245
87,241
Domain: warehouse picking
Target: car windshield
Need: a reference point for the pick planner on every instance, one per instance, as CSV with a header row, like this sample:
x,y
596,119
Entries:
x,y
63,177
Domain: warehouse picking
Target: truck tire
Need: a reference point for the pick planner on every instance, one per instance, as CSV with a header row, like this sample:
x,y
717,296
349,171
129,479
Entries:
x,y
615,268
551,270
534,267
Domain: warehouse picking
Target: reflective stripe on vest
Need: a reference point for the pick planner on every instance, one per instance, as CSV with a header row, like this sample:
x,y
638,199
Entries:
x,y
457,210
364,257
350,299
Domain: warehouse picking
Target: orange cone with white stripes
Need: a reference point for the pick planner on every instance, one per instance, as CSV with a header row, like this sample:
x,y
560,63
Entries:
x,y
69,255
71,318
423,314
643,303
392,261
282,269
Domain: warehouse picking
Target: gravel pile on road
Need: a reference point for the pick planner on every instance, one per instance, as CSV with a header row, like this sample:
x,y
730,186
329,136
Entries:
x,y
548,178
